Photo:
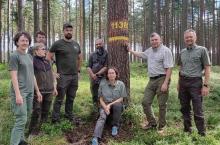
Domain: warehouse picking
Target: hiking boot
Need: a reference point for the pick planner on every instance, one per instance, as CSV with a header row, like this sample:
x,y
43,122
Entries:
x,y
202,133
161,130
22,142
150,126
114,130
188,130
95,141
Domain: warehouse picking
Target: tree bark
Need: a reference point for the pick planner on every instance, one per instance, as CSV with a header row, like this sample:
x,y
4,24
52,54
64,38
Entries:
x,y
117,35
20,20
45,17
36,18
0,31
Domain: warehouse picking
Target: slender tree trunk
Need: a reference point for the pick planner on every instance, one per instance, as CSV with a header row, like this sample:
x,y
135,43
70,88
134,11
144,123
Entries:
x,y
0,31
100,18
76,22
92,27
82,27
20,20
218,51
8,32
158,19
117,35
48,24
213,36
200,30
36,18
45,16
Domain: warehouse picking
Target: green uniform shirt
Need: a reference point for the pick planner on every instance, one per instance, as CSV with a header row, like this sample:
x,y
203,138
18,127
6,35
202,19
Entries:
x,y
193,61
23,64
111,93
66,56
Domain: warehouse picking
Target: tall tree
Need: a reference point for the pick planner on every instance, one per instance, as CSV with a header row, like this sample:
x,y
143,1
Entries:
x,y
48,23
82,27
36,17
20,19
92,28
200,29
100,19
45,16
0,31
158,19
117,35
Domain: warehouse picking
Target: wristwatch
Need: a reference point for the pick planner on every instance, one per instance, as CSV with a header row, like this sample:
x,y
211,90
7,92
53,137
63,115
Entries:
x,y
206,85
78,71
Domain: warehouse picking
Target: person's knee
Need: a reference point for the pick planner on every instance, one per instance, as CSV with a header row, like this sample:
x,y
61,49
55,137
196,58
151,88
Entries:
x,y
21,120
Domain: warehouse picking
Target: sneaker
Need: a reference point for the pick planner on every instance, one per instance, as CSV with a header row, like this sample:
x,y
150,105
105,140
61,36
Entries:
x,y
150,126
114,130
95,141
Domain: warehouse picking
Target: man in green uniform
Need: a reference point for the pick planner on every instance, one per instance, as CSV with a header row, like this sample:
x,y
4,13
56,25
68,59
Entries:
x,y
160,63
68,63
193,60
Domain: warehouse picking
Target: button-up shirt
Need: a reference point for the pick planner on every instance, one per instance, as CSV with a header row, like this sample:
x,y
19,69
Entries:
x,y
158,59
111,92
193,61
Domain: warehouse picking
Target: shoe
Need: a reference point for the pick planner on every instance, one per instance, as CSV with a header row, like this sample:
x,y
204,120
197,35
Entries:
x,y
74,120
150,126
114,130
161,130
202,133
188,130
55,121
22,142
95,141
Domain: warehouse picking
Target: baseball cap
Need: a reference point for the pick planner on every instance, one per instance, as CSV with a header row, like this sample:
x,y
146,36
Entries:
x,y
67,25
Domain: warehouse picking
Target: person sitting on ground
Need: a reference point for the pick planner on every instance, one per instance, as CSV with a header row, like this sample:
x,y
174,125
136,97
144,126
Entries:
x,y
47,86
111,93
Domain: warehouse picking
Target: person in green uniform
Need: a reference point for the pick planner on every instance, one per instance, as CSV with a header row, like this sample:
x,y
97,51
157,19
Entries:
x,y
194,59
23,83
111,94
68,63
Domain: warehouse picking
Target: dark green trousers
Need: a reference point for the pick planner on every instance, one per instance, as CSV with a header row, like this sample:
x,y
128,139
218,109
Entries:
x,y
153,89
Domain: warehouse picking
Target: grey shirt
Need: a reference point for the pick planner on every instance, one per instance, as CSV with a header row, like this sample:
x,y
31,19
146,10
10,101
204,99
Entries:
x,y
111,93
193,61
158,59
23,64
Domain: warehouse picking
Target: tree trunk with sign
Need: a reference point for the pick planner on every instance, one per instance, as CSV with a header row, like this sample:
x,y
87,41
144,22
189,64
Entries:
x,y
117,36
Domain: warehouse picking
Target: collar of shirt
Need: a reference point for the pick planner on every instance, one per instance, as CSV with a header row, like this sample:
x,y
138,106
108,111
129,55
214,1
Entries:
x,y
111,84
191,47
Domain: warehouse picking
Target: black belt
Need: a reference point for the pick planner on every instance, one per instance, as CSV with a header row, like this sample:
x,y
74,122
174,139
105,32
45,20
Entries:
x,y
159,76
186,77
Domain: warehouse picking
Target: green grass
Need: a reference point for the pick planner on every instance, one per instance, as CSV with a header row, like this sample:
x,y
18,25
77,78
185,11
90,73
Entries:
x,y
54,134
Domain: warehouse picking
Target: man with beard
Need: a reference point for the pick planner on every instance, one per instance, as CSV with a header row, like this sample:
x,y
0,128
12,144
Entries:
x,y
40,38
68,63
96,68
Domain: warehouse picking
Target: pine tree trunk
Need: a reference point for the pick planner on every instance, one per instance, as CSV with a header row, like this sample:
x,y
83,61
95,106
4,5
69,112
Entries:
x,y
20,20
0,31
117,35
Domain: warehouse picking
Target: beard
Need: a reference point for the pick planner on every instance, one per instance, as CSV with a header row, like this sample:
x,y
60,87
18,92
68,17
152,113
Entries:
x,y
68,36
100,50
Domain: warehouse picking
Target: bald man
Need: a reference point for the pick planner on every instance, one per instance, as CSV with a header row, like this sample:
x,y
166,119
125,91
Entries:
x,y
160,63
96,68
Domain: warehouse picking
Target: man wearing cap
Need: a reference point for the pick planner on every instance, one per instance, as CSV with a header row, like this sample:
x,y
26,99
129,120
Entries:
x,y
96,68
193,60
160,63
68,63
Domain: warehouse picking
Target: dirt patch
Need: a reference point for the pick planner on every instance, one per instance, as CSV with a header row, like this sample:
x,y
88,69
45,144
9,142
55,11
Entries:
x,y
83,133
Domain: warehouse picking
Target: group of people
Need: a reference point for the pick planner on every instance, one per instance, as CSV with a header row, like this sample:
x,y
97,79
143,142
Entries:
x,y
34,82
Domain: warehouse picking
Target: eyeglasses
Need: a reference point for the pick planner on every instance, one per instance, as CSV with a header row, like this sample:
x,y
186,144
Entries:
x,y
98,44
42,49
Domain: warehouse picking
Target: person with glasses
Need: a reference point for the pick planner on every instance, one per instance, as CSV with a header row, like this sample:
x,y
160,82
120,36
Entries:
x,y
47,86
97,66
